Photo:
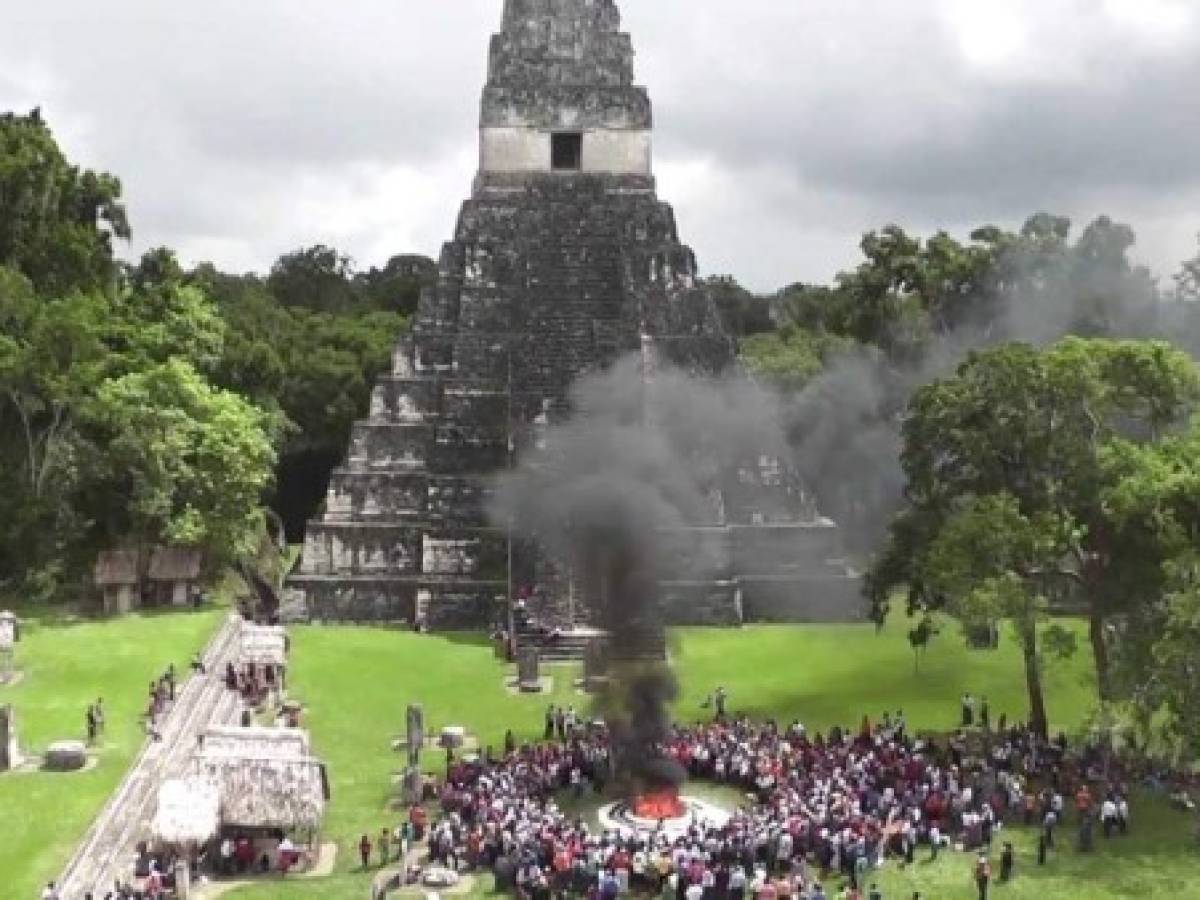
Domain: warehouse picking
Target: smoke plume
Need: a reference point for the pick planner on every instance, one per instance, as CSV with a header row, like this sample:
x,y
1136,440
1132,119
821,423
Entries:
x,y
844,427
613,496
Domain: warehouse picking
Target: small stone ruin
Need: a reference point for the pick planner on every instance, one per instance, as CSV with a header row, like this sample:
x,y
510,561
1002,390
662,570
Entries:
x,y
65,756
10,753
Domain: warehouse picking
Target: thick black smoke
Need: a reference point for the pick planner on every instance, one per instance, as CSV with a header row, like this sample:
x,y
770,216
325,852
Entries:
x,y
613,495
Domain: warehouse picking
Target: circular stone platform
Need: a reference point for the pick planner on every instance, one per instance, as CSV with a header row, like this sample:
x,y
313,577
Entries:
x,y
619,816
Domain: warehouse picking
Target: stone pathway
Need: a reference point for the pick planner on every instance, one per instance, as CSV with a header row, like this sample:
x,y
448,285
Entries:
x,y
107,851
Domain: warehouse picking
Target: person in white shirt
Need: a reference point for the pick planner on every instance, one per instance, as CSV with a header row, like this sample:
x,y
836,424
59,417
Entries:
x,y
1108,816
737,883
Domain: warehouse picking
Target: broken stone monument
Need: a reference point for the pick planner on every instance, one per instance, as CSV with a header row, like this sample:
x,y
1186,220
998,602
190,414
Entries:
x,y
529,679
415,732
10,633
414,785
563,261
595,665
10,754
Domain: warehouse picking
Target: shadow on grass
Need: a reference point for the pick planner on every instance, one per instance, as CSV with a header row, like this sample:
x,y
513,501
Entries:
x,y
465,638
33,618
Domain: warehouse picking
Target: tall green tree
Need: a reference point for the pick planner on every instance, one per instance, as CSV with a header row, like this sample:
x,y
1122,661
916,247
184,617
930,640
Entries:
x,y
396,286
196,460
317,278
1035,428
57,221
991,562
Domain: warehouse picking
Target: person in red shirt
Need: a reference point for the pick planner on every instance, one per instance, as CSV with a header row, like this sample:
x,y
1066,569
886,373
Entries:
x,y
244,854
364,851
418,818
1083,800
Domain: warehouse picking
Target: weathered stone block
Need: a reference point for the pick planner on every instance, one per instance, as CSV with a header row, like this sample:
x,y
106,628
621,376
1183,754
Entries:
x,y
65,756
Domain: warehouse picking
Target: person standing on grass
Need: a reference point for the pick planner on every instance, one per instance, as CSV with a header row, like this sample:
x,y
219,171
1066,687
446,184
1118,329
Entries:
x,y
720,698
1006,863
1108,816
983,875
1048,822
90,718
364,851
385,847
99,711
968,710
985,715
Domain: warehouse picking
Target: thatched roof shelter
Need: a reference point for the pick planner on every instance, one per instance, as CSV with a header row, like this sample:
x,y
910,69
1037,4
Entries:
x,y
174,564
266,777
263,743
188,812
116,567
263,644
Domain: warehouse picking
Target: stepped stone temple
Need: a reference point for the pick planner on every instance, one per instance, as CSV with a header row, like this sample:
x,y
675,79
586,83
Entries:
x,y
563,261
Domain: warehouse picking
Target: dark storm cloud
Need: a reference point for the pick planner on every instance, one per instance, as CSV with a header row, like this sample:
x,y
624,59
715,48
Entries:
x,y
785,128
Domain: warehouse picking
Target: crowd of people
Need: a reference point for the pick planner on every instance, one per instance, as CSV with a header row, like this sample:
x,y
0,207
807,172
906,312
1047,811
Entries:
x,y
256,683
820,810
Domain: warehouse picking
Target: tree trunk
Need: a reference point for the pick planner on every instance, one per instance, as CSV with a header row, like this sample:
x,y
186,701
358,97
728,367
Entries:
x,y
1033,680
1099,652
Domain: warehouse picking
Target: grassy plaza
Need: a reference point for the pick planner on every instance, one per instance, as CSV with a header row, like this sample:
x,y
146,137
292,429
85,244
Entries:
x,y
356,683
65,665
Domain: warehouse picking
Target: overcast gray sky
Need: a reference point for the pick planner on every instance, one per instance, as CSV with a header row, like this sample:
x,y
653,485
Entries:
x,y
785,128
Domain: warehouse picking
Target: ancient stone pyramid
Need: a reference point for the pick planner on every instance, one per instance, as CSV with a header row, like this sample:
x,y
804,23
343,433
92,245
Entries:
x,y
563,260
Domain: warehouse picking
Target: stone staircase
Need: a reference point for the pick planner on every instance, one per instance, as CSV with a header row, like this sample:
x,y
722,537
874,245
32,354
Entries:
x,y
107,851
566,646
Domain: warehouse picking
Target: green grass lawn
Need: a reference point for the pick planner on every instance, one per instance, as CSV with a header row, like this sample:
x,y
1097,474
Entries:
x,y
67,664
357,683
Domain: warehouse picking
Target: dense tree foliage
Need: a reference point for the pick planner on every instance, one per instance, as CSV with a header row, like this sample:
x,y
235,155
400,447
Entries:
x,y
57,221
1037,443
742,312
321,279
143,403
315,368
194,460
